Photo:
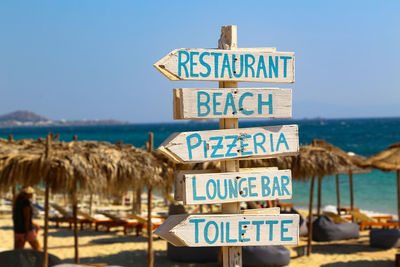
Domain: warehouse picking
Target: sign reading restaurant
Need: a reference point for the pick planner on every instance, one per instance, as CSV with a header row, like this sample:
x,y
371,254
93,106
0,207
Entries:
x,y
228,65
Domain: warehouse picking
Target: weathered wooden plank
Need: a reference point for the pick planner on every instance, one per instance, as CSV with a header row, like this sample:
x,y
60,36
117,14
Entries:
x,y
202,230
257,142
265,211
209,188
238,103
245,65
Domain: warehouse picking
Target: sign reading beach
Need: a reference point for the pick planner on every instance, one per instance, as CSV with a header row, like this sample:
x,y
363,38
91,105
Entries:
x,y
257,142
190,103
230,230
208,188
228,65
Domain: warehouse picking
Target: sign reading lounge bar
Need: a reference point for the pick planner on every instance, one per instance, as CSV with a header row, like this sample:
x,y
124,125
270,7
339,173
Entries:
x,y
207,188
258,142
230,230
228,65
192,103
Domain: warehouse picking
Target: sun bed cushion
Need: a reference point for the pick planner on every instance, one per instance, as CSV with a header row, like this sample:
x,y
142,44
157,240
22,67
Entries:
x,y
25,258
303,229
192,254
324,229
385,238
265,256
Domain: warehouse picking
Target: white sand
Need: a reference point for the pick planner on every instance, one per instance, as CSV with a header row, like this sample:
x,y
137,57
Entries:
x,y
117,249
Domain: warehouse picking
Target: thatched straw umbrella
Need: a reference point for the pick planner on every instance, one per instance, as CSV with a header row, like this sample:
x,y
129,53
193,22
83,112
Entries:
x,y
388,160
89,166
349,164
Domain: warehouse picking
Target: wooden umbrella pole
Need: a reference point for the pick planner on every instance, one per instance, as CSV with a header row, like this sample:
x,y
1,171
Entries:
x,y
46,206
338,194
232,256
319,196
75,215
398,193
310,217
133,201
351,193
150,254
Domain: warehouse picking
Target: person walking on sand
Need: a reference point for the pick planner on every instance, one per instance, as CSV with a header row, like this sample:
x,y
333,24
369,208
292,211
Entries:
x,y
24,228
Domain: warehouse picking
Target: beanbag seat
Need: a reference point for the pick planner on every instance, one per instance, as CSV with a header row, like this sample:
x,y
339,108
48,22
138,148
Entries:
x,y
192,254
324,229
265,256
25,258
384,238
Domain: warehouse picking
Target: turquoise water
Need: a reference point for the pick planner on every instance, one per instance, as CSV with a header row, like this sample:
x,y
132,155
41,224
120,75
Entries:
x,y
375,191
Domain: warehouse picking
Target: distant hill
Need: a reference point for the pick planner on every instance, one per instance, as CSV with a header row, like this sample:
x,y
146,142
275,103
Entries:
x,y
22,116
28,118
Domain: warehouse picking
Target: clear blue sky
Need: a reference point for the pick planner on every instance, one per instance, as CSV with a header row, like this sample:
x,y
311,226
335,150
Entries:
x,y
94,59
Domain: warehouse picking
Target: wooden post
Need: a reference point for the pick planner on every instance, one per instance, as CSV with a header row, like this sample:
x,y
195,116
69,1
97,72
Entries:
x,y
75,216
319,196
232,256
338,194
139,201
351,193
398,193
150,254
310,217
133,201
46,204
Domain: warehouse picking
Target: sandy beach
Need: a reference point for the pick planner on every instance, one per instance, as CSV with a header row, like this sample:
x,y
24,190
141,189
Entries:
x,y
114,248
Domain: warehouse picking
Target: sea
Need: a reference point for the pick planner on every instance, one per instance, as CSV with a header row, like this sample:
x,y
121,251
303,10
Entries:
x,y
374,192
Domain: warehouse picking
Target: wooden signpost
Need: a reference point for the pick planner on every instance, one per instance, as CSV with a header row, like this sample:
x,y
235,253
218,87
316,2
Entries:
x,y
257,142
230,229
238,103
244,65
233,228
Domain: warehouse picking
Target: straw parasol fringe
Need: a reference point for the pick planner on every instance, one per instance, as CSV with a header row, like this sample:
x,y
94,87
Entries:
x,y
388,160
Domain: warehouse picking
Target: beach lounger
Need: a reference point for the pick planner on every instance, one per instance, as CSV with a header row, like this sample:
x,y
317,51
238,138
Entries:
x,y
324,229
116,221
92,220
155,220
336,218
347,209
66,217
365,221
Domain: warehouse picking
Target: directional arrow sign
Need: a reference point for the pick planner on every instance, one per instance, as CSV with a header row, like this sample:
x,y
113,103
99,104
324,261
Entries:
x,y
228,187
230,230
232,103
245,65
258,142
